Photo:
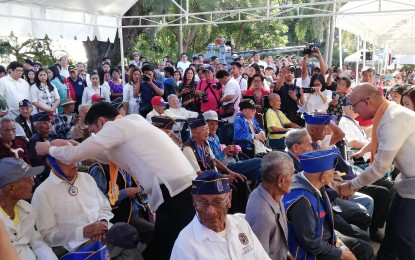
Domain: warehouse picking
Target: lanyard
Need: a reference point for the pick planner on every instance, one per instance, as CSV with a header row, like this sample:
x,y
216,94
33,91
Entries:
x,y
278,114
215,143
56,167
200,152
315,146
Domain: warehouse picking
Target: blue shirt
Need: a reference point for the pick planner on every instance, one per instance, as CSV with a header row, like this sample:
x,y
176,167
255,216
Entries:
x,y
78,86
147,91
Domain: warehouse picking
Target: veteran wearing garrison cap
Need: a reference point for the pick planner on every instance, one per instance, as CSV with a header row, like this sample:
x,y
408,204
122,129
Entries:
x,y
323,131
213,234
309,238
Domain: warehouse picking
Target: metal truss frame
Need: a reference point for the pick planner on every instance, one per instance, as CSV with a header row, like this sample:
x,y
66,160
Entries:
x,y
265,13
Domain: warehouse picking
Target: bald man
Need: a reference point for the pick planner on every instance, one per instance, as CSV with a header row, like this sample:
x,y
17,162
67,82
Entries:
x,y
393,141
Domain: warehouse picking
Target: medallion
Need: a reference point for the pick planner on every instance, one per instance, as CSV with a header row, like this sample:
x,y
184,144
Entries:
x,y
73,191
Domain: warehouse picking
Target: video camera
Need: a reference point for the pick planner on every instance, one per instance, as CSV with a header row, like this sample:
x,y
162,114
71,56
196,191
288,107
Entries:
x,y
310,48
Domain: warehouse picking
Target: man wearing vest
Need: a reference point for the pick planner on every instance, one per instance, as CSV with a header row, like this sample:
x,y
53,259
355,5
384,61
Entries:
x,y
310,236
201,157
24,121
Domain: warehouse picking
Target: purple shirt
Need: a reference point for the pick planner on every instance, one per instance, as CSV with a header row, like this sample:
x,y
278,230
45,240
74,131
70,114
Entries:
x,y
117,89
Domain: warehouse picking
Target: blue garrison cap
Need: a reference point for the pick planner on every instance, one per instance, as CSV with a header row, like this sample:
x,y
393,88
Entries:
x,y
196,121
25,103
42,116
319,161
317,119
210,182
163,122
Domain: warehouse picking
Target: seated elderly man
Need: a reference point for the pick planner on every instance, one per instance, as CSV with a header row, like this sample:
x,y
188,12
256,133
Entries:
x,y
310,237
10,146
247,132
16,183
176,112
198,153
44,133
166,123
265,211
80,131
277,123
250,168
354,134
213,234
24,121
159,107
65,121
72,212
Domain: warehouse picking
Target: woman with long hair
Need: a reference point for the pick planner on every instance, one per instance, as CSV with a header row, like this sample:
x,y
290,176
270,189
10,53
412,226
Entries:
x,y
319,100
130,102
187,91
31,77
93,89
45,96
64,90
177,77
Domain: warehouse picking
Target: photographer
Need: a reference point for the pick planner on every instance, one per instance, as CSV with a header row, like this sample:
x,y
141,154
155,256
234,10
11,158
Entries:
x,y
304,66
209,91
148,88
317,97
289,91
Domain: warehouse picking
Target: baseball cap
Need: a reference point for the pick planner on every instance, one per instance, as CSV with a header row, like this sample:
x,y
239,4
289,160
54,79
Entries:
x,y
123,235
208,68
25,103
136,53
71,67
158,101
211,115
13,169
247,103
96,97
234,56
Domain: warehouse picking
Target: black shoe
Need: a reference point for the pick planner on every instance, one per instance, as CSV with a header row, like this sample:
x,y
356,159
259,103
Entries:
x,y
376,235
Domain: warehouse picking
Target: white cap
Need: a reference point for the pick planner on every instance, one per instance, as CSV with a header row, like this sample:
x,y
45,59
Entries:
x,y
211,115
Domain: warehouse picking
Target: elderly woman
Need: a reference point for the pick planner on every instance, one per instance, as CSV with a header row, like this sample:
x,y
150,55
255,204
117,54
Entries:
x,y
256,89
265,211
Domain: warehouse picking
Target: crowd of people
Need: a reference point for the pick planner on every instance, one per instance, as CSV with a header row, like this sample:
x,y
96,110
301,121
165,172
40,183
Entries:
x,y
271,158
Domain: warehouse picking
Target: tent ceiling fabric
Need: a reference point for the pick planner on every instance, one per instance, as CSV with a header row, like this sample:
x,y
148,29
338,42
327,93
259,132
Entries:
x,y
63,19
395,31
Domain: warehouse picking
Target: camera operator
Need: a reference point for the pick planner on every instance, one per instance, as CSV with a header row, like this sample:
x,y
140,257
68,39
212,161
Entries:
x,y
334,75
209,91
148,88
289,91
304,76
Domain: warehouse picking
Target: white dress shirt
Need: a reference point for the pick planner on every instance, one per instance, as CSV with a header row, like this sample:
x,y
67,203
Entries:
x,y
89,92
196,241
139,148
25,238
14,91
232,88
61,218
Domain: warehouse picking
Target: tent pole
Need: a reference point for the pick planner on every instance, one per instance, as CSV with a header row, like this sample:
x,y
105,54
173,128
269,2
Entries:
x,y
357,61
122,49
364,53
340,49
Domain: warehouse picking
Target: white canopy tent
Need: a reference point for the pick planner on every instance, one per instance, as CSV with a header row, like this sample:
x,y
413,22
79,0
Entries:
x,y
355,57
386,24
76,19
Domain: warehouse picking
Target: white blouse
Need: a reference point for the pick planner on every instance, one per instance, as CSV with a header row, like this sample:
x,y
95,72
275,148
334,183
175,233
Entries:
x,y
128,97
313,102
43,96
89,92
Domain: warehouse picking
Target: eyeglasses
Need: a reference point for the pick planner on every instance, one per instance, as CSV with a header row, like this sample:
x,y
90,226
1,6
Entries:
x,y
353,106
257,81
217,204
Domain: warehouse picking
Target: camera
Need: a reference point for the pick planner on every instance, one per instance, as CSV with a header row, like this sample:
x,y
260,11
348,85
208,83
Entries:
x,y
146,77
291,68
310,48
217,86
205,97
308,90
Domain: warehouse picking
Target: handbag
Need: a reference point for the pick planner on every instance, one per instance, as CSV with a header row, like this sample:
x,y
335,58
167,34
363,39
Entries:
x,y
227,110
96,251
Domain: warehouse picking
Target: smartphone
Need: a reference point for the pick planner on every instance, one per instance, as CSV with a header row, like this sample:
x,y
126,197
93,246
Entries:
x,y
388,77
308,90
